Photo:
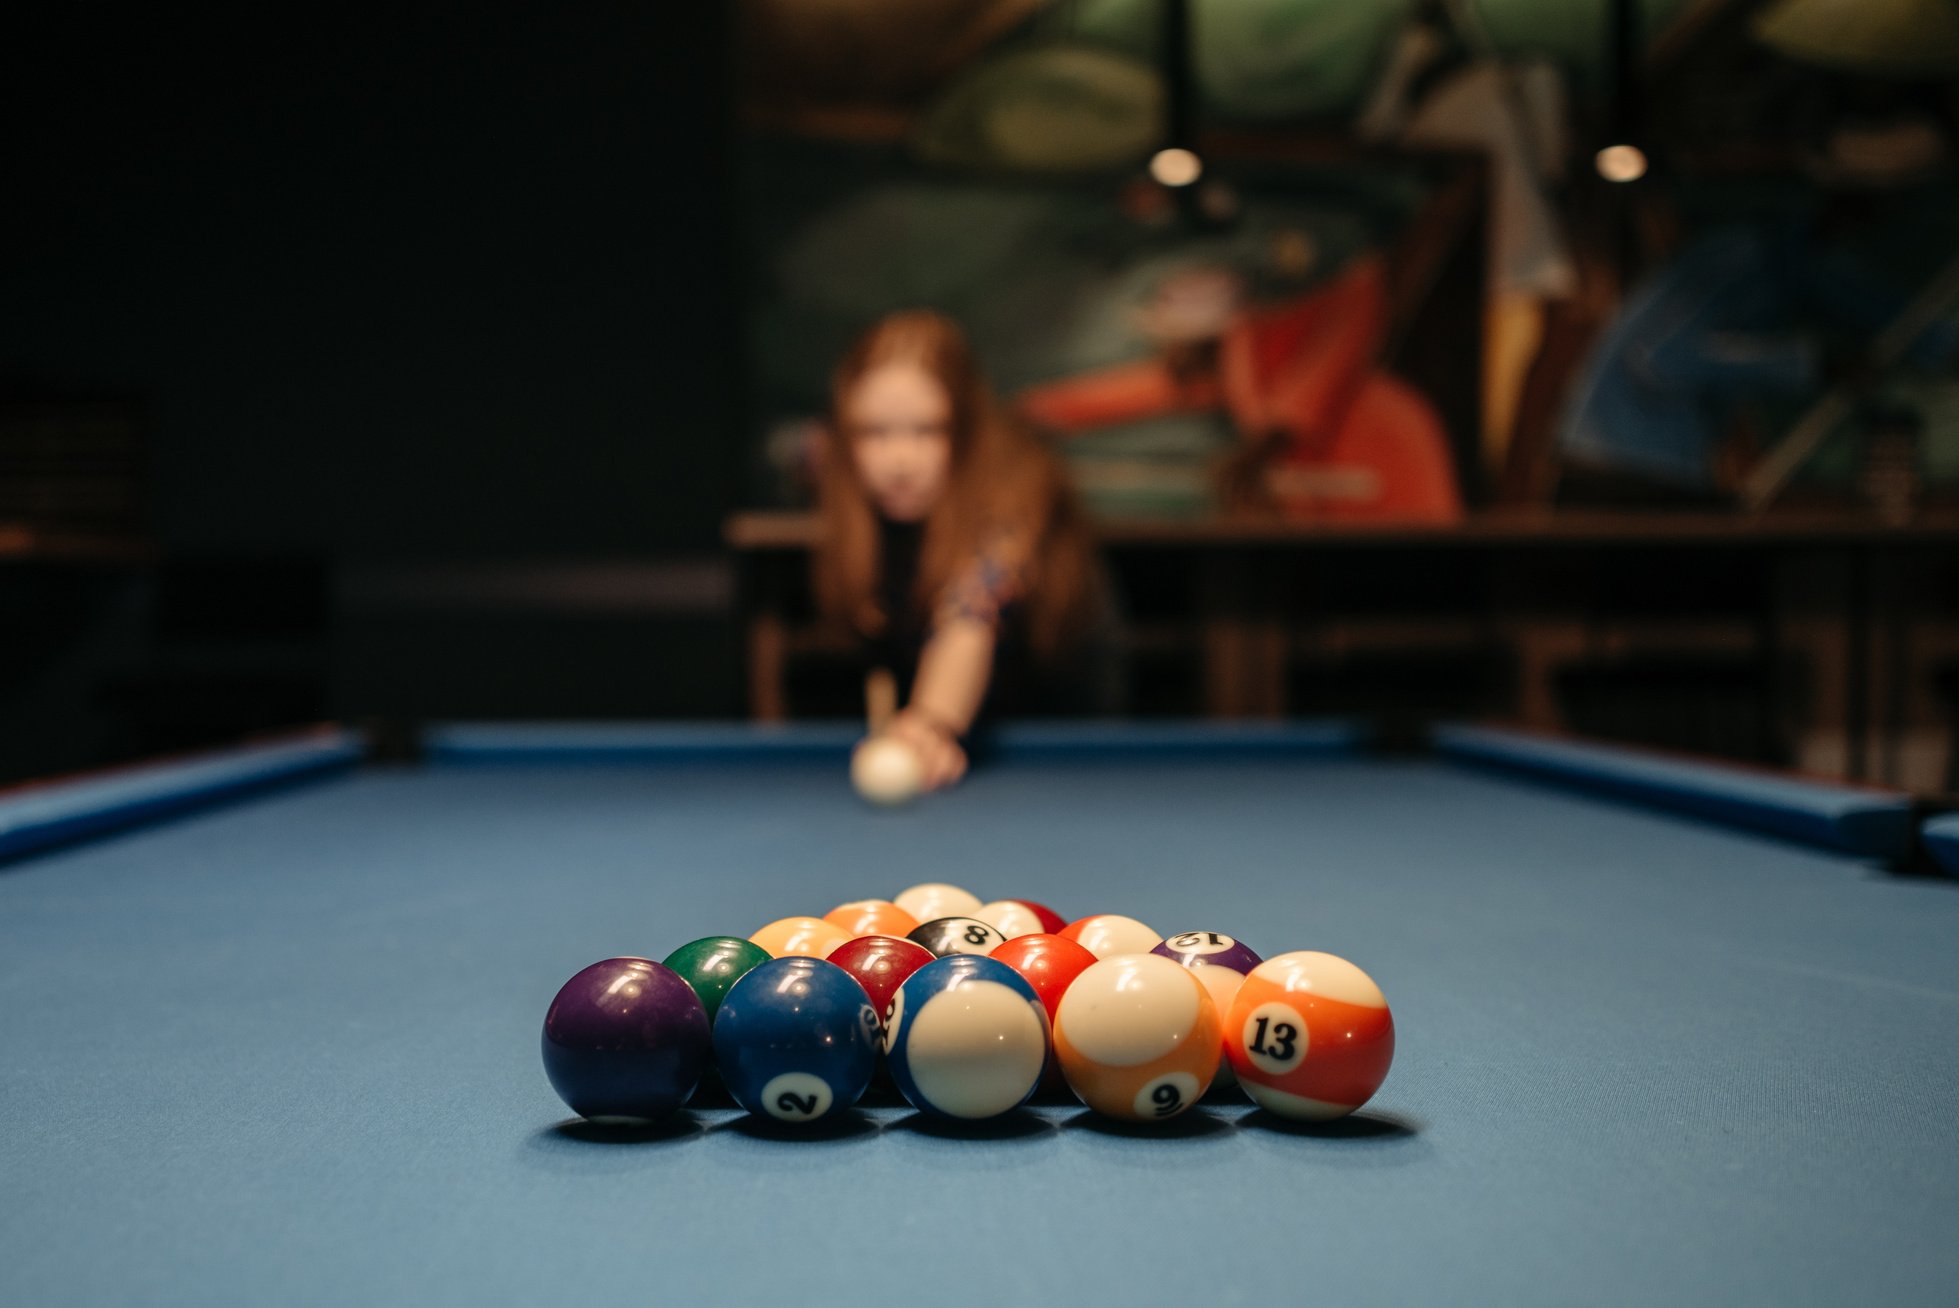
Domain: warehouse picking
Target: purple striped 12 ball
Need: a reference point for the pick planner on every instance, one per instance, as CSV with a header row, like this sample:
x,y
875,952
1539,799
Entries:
x,y
1221,963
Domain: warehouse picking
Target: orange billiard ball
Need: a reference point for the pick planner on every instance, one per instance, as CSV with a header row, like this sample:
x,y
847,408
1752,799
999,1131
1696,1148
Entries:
x,y
810,937
872,917
1309,1036
1137,1037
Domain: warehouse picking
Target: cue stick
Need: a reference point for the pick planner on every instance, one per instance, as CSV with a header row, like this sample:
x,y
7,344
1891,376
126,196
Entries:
x,y
880,699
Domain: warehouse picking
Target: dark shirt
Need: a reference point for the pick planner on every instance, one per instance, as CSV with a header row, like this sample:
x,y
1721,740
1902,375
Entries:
x,y
1087,681
903,638
987,593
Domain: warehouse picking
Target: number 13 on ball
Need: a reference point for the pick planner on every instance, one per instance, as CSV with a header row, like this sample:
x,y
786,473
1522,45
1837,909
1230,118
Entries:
x,y
1309,1036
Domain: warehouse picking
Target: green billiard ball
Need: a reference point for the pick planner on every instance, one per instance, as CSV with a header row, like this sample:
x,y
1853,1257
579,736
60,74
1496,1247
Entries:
x,y
712,964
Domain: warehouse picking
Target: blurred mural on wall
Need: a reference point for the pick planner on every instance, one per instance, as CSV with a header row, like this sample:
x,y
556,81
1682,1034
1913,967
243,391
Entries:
x,y
1239,338
1153,351
1171,341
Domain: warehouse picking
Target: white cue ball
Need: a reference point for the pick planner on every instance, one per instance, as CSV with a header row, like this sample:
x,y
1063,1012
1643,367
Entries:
x,y
886,771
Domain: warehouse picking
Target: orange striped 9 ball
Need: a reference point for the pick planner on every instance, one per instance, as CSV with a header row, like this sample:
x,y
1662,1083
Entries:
x,y
1137,1037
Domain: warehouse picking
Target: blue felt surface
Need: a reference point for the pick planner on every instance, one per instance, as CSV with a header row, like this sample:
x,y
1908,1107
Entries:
x,y
286,1052
1877,824
36,817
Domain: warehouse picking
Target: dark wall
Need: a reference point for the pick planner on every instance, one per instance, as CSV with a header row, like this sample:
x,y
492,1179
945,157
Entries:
x,y
419,283
432,279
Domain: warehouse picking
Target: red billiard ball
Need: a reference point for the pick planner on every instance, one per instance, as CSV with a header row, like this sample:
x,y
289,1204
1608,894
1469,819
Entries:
x,y
1049,962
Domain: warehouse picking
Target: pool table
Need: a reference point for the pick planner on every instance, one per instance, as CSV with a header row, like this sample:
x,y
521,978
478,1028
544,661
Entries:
x,y
1666,1034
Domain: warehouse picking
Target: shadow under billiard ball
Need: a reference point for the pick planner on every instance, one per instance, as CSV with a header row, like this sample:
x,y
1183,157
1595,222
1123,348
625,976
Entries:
x,y
846,1125
1016,1125
1192,1124
627,1131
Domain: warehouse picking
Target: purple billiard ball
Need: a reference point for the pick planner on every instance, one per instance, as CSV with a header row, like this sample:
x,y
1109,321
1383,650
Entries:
x,y
626,1040
1208,949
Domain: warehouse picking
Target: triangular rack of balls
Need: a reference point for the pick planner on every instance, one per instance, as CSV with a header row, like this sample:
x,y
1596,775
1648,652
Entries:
x,y
970,1007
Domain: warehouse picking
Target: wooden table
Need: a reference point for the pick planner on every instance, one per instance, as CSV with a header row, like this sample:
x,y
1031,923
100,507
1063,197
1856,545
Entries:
x,y
26,545
1848,590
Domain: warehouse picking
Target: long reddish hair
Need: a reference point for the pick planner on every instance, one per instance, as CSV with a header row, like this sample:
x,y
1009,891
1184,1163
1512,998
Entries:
x,y
1003,484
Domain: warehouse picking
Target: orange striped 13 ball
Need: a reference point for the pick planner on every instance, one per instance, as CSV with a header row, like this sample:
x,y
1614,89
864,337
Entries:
x,y
1309,1036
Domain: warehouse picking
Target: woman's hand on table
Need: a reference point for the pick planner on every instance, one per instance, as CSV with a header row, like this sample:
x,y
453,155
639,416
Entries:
x,y
940,755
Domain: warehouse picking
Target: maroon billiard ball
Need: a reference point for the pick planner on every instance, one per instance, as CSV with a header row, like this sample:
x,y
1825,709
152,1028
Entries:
x,y
880,964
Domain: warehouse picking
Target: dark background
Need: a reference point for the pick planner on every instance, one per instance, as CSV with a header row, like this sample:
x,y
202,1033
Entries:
x,y
426,327
444,288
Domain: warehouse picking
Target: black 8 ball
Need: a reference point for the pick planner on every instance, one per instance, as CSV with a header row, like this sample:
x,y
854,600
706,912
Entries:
x,y
957,935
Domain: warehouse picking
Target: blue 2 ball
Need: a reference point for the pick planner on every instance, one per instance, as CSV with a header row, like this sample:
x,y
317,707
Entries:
x,y
796,1040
